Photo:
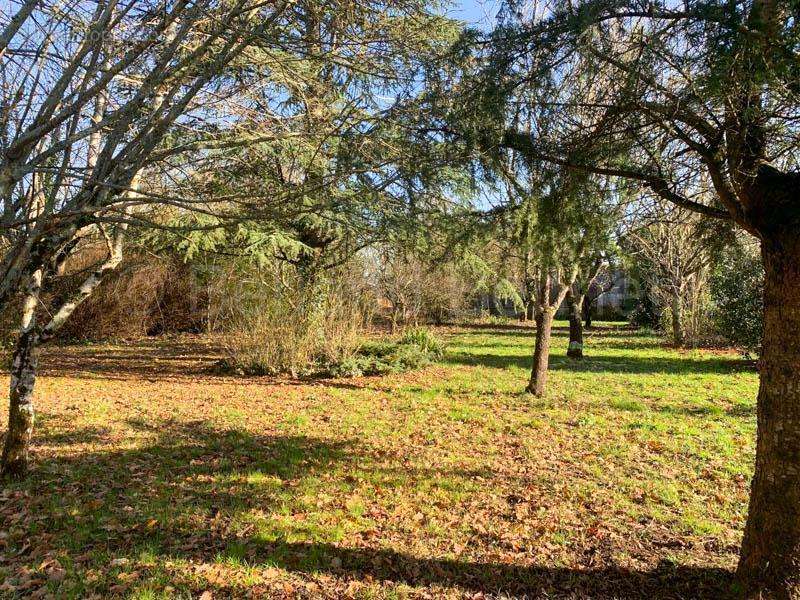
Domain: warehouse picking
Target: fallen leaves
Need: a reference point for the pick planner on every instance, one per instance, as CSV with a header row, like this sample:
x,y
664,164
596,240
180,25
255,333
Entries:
x,y
119,562
444,483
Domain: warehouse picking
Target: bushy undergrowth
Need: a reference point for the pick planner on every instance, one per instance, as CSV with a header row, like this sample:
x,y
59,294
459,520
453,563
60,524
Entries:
x,y
415,349
487,318
737,286
276,322
146,295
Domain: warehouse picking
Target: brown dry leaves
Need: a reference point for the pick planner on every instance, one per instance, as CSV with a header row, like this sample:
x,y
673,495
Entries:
x,y
154,477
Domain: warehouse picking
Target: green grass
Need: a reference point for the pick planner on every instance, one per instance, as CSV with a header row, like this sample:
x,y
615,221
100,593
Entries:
x,y
444,482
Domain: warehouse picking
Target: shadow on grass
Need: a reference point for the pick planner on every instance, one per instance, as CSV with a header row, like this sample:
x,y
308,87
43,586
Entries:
x,y
737,410
65,437
611,338
665,581
149,359
158,360
183,493
604,364
528,330
155,360
176,494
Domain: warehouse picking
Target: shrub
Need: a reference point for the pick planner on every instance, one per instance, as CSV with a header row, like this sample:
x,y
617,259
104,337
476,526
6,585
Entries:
x,y
648,311
274,321
419,292
424,339
737,286
486,318
415,349
654,309
146,295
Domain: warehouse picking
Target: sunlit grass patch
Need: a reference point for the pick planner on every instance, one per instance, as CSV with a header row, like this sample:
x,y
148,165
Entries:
x,y
442,482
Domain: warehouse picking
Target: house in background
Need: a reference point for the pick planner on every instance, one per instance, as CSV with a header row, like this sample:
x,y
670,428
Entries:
x,y
611,298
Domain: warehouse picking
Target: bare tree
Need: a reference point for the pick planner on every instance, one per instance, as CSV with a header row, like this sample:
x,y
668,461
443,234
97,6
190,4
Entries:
x,y
675,258
92,97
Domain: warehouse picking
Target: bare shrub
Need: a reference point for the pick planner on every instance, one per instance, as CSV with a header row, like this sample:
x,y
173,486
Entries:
x,y
675,257
146,295
273,321
416,292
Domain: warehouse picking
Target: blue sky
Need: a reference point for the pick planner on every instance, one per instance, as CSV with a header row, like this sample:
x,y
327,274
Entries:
x,y
479,12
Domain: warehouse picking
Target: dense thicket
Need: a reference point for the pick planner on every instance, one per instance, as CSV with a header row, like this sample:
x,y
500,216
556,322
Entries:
x,y
737,288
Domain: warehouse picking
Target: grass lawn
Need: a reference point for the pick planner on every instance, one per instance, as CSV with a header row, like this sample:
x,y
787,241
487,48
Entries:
x,y
156,479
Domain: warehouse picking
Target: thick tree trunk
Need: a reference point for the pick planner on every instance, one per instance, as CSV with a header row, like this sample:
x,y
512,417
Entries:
x,y
20,415
678,335
769,564
541,352
574,304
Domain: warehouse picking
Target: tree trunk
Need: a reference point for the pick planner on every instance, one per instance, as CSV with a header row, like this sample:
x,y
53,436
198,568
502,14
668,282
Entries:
x,y
541,352
678,335
493,308
587,312
20,413
14,461
769,564
574,304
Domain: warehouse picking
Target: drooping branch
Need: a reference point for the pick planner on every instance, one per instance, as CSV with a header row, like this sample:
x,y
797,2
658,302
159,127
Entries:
x,y
523,143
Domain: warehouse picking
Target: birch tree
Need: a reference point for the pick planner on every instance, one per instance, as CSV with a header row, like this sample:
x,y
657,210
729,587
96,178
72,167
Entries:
x,y
92,95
